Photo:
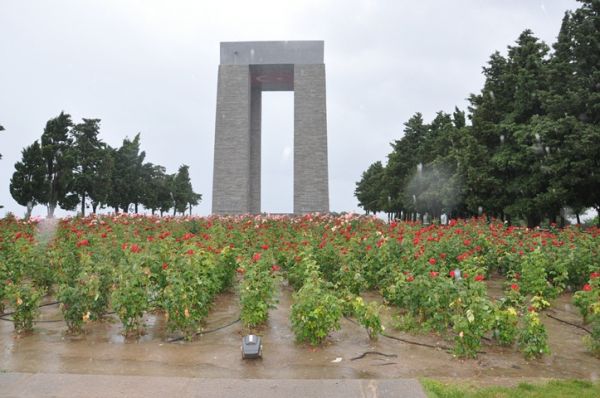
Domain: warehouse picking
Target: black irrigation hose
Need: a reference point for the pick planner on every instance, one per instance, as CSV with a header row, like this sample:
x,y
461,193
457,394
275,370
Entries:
x,y
419,344
569,323
205,332
364,354
442,347
39,306
41,320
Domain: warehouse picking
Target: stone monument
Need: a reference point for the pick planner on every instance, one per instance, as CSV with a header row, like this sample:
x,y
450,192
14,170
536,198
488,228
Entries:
x,y
246,70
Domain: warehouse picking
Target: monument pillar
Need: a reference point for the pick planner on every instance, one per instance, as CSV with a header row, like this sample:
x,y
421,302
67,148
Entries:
x,y
231,174
247,69
311,182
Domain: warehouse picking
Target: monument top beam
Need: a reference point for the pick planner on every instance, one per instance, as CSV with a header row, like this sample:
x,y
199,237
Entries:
x,y
272,52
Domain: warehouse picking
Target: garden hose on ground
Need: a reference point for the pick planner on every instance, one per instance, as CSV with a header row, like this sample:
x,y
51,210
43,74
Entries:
x,y
569,323
40,306
441,347
364,354
3,316
205,332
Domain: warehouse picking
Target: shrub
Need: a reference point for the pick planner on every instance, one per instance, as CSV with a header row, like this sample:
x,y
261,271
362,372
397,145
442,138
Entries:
x,y
315,311
130,298
257,292
533,338
472,318
587,300
505,326
26,299
368,316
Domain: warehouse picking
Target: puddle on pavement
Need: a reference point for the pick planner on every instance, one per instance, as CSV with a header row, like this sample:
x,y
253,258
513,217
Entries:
x,y
103,350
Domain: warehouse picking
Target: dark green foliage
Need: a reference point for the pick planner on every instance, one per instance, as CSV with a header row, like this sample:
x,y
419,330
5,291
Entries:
x,y
93,169
72,165
127,175
27,184
533,146
370,188
60,160
183,194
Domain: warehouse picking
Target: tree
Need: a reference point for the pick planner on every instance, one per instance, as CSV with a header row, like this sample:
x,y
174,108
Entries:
x,y
402,164
127,185
28,183
370,188
184,196
156,188
92,171
100,190
572,103
510,180
59,159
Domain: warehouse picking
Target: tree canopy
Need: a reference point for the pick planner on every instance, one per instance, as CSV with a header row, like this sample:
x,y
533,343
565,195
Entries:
x,y
73,166
531,149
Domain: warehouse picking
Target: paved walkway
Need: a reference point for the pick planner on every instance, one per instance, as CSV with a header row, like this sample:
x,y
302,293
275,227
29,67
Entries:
x,y
90,386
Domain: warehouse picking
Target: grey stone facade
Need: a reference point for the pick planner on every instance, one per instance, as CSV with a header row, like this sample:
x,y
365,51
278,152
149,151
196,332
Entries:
x,y
247,69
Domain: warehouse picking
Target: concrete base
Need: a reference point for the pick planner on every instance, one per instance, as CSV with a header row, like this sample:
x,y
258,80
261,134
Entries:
x,y
89,386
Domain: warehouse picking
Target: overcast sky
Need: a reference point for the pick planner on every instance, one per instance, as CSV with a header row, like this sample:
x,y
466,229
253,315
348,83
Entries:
x,y
151,67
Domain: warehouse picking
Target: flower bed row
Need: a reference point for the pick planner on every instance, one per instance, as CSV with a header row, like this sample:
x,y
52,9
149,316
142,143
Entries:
x,y
436,275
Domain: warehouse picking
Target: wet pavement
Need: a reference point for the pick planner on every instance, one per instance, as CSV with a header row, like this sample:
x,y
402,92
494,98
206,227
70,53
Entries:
x,y
76,386
102,350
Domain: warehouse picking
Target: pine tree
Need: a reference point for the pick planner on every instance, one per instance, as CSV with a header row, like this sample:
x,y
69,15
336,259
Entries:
x,y
92,171
28,184
127,185
370,188
60,161
184,196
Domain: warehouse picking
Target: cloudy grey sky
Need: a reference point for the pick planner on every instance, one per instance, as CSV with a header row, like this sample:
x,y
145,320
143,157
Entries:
x,y
151,67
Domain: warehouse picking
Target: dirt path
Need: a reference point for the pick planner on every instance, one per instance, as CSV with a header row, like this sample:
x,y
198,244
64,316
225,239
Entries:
x,y
103,351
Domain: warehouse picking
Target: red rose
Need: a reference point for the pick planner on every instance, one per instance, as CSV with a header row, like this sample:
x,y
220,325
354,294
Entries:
x,y
433,274
587,287
479,278
410,278
256,257
452,274
190,252
165,266
514,287
103,235
83,242
595,275
275,268
432,261
135,248
443,256
265,247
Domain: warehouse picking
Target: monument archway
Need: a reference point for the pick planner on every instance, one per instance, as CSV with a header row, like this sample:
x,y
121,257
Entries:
x,y
245,71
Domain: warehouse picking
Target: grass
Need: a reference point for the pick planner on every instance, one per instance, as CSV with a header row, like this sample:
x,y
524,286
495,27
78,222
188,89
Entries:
x,y
554,388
